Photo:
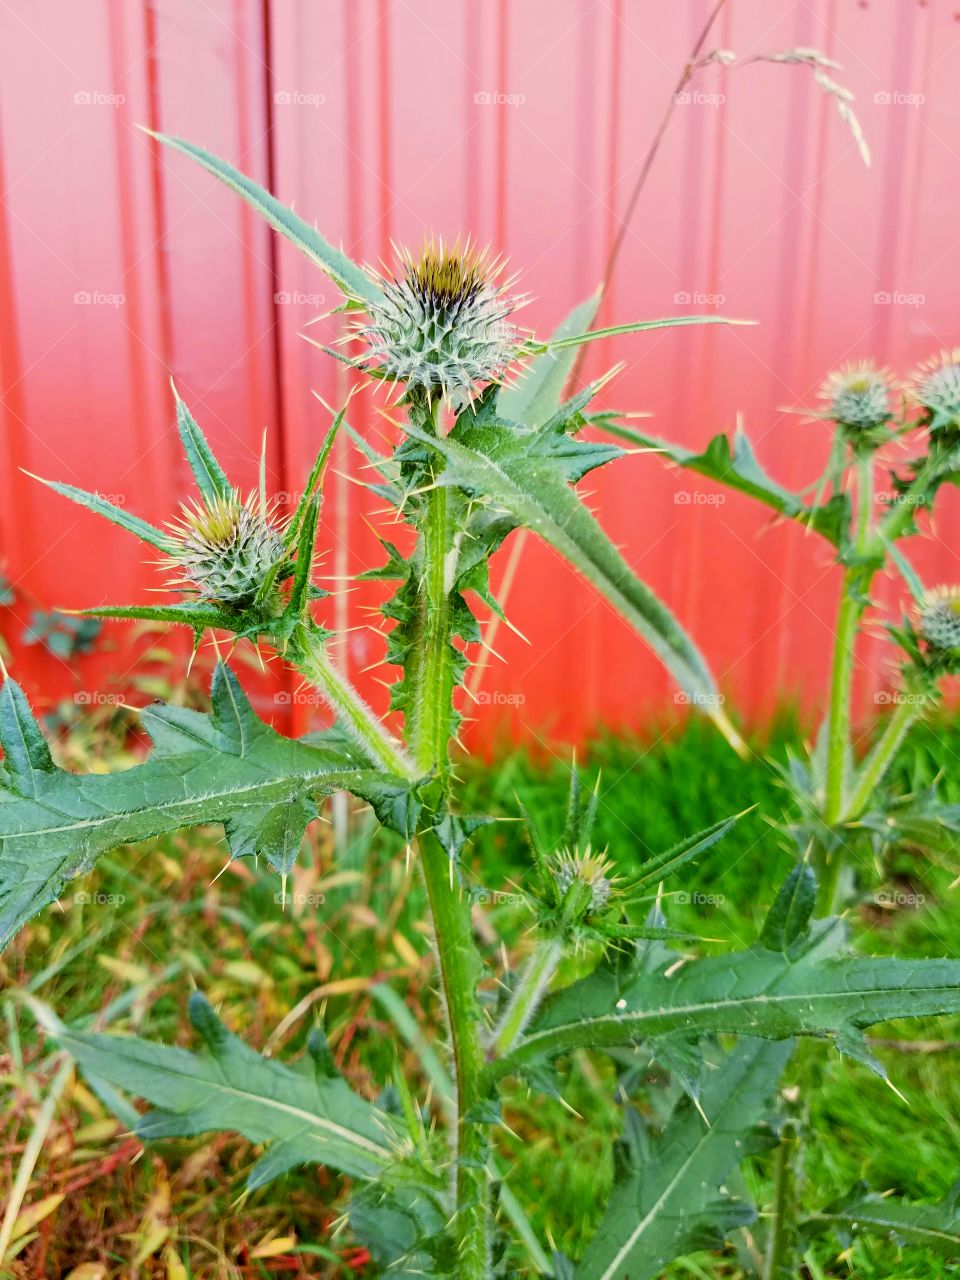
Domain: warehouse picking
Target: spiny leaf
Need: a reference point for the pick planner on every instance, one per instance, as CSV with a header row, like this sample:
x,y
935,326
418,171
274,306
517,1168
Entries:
x,y
537,394
814,991
634,326
668,1200
792,908
931,1226
527,475
116,515
351,280
231,1087
665,864
736,465
227,767
210,477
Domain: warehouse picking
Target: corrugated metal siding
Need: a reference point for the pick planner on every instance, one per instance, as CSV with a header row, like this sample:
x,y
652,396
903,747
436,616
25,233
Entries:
x,y
375,117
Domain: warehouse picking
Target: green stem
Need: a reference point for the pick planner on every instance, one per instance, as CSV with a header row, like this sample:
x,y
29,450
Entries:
x,y
534,981
875,766
431,678
853,594
308,654
777,1246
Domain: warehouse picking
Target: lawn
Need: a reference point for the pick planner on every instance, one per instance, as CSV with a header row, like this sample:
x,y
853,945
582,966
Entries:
x,y
151,922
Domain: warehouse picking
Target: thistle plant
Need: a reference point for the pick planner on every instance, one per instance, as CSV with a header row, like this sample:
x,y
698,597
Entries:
x,y
492,441
847,817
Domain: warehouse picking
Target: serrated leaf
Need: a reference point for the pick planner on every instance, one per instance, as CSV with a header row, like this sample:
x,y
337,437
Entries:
x,y
665,864
932,1226
815,991
665,1204
232,1087
736,465
792,908
528,475
229,767
537,393
351,280
116,515
210,477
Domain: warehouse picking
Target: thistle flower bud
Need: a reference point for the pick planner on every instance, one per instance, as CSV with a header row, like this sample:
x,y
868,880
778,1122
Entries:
x,y
938,619
935,387
442,324
589,874
225,548
857,397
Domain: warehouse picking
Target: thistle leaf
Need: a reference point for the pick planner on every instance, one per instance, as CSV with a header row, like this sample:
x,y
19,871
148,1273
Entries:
x,y
307,1119
527,476
634,326
670,1201
815,991
735,465
116,515
210,477
227,767
537,394
665,864
932,1226
351,280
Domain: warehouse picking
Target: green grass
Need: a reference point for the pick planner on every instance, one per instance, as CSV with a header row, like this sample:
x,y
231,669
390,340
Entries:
x,y
133,962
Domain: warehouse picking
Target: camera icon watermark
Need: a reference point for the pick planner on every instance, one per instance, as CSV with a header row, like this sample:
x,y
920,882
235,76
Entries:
x,y
695,98
293,897
697,298
699,899
898,298
94,698
97,899
296,298
897,98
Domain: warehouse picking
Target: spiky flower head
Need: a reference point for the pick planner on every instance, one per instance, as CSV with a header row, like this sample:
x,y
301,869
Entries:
x,y
938,619
935,387
227,549
591,870
857,396
443,322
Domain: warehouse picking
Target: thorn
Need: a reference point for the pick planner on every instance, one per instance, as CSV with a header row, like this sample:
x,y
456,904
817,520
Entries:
x,y
283,892
220,872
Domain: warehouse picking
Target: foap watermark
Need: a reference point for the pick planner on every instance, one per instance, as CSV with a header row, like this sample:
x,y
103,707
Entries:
x,y
498,698
892,899
696,498
298,98
897,698
98,98
93,698
698,699
696,98
897,98
296,898
97,899
897,298
98,298
494,98
684,298
295,298
299,698
495,897
699,899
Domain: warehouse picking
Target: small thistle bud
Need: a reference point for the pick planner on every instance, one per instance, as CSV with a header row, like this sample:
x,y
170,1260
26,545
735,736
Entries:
x,y
938,619
443,324
857,397
935,387
225,548
591,872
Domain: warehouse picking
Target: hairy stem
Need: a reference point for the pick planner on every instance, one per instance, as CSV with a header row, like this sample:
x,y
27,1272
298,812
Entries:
x,y
308,654
432,684
534,981
774,1264
877,763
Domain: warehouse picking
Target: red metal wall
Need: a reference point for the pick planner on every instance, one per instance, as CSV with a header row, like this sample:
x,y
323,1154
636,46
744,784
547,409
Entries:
x,y
522,124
